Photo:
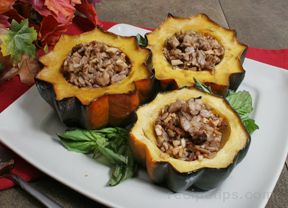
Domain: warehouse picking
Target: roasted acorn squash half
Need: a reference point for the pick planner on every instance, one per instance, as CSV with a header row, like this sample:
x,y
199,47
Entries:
x,y
227,74
179,175
93,108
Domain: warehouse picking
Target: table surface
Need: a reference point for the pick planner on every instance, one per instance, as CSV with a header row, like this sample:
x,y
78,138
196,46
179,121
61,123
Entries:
x,y
259,23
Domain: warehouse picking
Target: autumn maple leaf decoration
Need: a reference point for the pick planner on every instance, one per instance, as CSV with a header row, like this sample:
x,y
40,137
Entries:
x,y
17,44
6,5
48,20
58,15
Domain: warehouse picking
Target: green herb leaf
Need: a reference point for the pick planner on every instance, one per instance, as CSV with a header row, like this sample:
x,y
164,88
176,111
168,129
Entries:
x,y
202,87
81,147
241,102
76,135
78,141
116,176
250,125
142,41
1,67
19,40
111,144
46,48
111,156
122,172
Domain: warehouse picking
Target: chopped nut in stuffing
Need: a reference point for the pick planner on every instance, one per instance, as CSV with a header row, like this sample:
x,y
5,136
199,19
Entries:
x,y
95,64
189,130
193,51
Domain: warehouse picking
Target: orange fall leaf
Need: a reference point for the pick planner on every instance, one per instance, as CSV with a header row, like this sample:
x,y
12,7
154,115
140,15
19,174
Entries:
x,y
6,5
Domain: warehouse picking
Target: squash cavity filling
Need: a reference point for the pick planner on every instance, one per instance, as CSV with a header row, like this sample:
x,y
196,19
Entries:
x,y
193,51
95,64
189,130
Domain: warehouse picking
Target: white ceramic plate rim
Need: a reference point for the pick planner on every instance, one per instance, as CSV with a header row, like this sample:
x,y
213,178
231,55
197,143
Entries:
x,y
125,29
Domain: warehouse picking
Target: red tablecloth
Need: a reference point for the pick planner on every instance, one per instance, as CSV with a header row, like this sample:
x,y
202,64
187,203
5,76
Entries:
x,y
12,89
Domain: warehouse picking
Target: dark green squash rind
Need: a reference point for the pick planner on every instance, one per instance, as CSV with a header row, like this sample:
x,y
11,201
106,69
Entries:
x,y
204,179
236,79
74,114
201,180
69,110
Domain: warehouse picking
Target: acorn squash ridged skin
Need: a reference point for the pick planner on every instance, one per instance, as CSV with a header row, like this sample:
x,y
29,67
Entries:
x,y
180,175
94,108
204,179
228,74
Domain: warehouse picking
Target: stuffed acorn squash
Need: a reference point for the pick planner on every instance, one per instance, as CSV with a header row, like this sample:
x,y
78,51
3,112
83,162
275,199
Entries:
x,y
196,47
95,79
187,138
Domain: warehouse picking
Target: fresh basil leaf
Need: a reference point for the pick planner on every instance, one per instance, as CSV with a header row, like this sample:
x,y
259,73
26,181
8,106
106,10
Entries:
x,y
117,143
241,102
81,147
98,138
116,175
122,172
142,41
202,87
75,135
108,144
112,156
250,125
131,166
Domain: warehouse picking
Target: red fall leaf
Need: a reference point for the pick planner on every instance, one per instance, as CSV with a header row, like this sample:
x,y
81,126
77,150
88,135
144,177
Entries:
x,y
62,10
14,14
50,30
4,23
8,74
28,68
54,18
5,60
38,5
6,5
88,9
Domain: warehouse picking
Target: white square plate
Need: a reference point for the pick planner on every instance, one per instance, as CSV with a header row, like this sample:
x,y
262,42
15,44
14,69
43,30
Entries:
x,y
29,127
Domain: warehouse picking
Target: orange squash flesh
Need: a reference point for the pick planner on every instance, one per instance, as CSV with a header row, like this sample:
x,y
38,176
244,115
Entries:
x,y
227,74
179,175
98,107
